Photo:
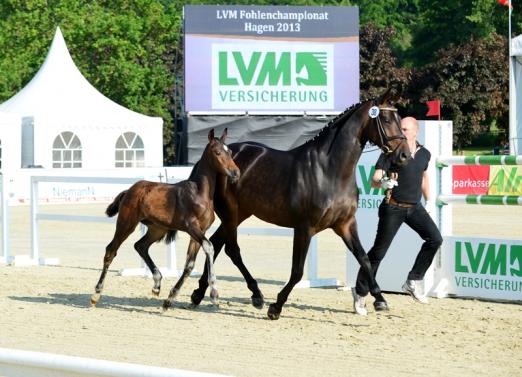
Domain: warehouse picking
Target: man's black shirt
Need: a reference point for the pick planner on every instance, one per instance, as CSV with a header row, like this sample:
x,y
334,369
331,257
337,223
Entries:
x,y
409,189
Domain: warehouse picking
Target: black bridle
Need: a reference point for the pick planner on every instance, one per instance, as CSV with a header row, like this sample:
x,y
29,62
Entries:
x,y
385,139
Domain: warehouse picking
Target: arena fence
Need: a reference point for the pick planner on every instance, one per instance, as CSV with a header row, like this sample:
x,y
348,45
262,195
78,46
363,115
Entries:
x,y
478,267
444,161
4,257
36,217
444,199
480,199
171,269
17,363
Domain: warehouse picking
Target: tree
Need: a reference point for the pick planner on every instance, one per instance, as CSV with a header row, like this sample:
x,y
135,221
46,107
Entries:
x,y
401,15
123,47
378,65
471,80
442,23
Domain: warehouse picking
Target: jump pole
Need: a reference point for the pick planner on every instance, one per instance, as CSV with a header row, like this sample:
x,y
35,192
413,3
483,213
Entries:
x,y
445,161
444,198
480,199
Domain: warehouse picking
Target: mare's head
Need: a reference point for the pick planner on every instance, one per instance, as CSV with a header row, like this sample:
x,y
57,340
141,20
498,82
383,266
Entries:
x,y
383,128
219,156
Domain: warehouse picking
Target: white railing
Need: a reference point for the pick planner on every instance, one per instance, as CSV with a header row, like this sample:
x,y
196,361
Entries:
x,y
171,269
4,258
36,216
17,363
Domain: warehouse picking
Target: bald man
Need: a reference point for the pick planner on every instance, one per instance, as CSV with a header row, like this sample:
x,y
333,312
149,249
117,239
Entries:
x,y
405,185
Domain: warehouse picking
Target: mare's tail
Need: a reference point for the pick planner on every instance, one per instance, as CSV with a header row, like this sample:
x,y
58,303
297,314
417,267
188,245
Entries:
x,y
114,207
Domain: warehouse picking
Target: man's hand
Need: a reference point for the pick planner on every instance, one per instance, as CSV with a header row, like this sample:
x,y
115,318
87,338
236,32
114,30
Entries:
x,y
388,183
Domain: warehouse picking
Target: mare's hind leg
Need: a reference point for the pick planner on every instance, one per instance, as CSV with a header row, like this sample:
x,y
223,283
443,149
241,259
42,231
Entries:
x,y
192,252
153,234
302,239
123,230
348,232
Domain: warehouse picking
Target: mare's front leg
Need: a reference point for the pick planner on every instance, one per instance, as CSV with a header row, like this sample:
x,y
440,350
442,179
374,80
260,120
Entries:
x,y
192,252
218,239
302,239
348,232
234,253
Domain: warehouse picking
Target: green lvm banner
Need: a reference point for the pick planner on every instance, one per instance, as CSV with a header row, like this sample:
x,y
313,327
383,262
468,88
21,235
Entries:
x,y
271,58
484,268
272,76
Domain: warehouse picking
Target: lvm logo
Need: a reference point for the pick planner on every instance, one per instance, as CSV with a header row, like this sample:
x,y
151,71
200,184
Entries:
x,y
272,76
369,197
488,265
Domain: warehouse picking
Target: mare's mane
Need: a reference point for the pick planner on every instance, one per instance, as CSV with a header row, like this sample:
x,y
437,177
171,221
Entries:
x,y
335,123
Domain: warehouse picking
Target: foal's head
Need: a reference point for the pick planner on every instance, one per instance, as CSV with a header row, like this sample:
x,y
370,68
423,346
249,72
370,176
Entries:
x,y
384,129
220,156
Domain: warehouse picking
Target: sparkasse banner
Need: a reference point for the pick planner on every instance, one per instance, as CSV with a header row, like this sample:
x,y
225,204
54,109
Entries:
x,y
269,58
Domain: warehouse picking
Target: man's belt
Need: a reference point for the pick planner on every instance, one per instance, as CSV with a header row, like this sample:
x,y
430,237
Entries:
x,y
393,202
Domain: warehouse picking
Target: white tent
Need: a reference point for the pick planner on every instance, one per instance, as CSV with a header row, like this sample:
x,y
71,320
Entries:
x,y
10,144
66,122
515,97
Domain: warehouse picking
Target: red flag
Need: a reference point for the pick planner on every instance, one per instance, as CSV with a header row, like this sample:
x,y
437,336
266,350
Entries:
x,y
433,108
506,3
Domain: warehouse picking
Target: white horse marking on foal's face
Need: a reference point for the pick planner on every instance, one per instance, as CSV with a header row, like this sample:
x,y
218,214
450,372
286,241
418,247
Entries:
x,y
225,147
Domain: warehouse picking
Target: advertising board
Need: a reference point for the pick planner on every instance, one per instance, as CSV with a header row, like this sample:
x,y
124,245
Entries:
x,y
271,58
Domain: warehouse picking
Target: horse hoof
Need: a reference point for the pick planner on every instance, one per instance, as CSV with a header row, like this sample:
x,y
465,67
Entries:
x,y
166,305
94,299
196,297
380,306
155,292
273,313
258,302
214,296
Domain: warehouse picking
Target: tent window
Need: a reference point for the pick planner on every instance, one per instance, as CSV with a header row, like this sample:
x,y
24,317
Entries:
x,y
130,152
67,151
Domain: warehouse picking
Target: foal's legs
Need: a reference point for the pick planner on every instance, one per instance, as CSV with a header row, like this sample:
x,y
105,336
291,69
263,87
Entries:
x,y
217,240
302,239
192,252
123,230
153,234
197,239
348,232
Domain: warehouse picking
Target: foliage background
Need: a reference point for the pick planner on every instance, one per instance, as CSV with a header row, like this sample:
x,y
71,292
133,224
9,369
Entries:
x,y
131,51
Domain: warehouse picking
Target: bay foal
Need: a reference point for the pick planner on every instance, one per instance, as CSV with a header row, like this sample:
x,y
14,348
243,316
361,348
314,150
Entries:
x,y
166,208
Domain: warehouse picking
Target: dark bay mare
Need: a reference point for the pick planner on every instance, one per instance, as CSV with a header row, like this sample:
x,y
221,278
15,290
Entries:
x,y
309,188
166,208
